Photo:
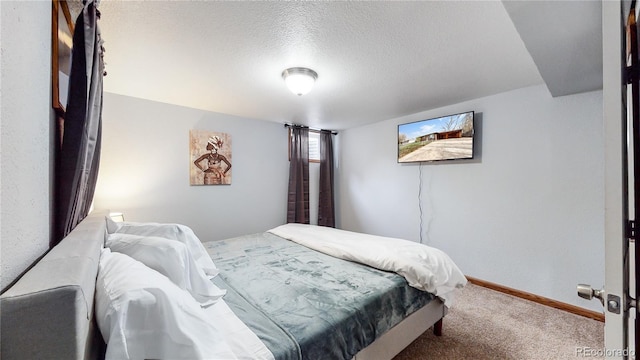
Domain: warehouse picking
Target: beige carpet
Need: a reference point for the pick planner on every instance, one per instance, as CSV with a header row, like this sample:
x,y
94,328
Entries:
x,y
486,324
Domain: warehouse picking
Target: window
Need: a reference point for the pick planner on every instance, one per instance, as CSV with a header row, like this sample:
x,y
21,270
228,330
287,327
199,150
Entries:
x,y
314,146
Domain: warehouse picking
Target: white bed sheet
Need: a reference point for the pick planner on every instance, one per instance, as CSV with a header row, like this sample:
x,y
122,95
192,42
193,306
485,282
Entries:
x,y
143,314
424,267
243,342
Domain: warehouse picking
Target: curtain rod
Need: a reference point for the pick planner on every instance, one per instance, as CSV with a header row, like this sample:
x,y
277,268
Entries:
x,y
333,132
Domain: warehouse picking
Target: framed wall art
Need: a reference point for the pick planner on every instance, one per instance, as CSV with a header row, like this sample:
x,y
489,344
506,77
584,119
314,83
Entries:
x,y
61,44
210,158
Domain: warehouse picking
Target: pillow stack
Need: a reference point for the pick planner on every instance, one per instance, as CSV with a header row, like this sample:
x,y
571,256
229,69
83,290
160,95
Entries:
x,y
176,232
153,282
171,259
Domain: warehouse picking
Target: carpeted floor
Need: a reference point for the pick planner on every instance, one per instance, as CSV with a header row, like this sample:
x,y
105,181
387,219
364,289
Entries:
x,y
486,324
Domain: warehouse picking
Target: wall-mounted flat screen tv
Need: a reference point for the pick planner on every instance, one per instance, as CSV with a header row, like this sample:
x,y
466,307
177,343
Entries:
x,y
445,138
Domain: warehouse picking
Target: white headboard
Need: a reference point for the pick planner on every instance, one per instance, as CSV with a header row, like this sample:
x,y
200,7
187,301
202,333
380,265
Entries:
x,y
48,313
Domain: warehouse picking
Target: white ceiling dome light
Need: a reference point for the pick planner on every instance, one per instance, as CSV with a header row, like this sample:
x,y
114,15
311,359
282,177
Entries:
x,y
299,80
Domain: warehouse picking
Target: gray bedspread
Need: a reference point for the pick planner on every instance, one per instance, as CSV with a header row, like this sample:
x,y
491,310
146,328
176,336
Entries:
x,y
331,307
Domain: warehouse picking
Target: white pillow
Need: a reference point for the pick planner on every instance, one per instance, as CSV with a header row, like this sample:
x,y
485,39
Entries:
x,y
143,315
112,226
170,258
178,232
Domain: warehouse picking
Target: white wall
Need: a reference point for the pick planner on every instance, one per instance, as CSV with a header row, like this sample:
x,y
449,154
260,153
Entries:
x,y
25,135
144,169
527,212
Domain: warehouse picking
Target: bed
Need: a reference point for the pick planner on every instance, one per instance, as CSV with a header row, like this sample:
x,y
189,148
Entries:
x,y
290,300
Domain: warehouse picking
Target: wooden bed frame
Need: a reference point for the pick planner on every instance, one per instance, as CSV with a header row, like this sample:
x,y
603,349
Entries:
x,y
49,312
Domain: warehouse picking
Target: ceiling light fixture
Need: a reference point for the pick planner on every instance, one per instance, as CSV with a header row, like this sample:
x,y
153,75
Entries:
x,y
299,80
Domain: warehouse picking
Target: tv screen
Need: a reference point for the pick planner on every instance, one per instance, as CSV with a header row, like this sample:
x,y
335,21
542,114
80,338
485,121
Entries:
x,y
445,138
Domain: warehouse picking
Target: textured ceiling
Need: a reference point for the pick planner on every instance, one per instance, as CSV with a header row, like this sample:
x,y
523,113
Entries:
x,y
375,60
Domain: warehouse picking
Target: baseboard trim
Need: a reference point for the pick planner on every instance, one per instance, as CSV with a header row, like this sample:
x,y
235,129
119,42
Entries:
x,y
538,299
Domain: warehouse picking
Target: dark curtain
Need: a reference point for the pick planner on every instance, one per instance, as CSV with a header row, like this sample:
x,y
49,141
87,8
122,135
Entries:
x,y
78,158
298,196
326,216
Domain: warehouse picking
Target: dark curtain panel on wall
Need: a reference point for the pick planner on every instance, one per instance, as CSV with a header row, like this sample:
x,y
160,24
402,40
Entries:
x,y
298,196
78,159
326,215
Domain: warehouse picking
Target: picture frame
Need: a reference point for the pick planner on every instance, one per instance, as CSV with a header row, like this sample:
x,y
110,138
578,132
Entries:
x,y
210,158
61,46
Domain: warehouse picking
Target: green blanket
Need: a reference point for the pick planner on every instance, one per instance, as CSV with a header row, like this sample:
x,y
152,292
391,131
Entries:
x,y
331,307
